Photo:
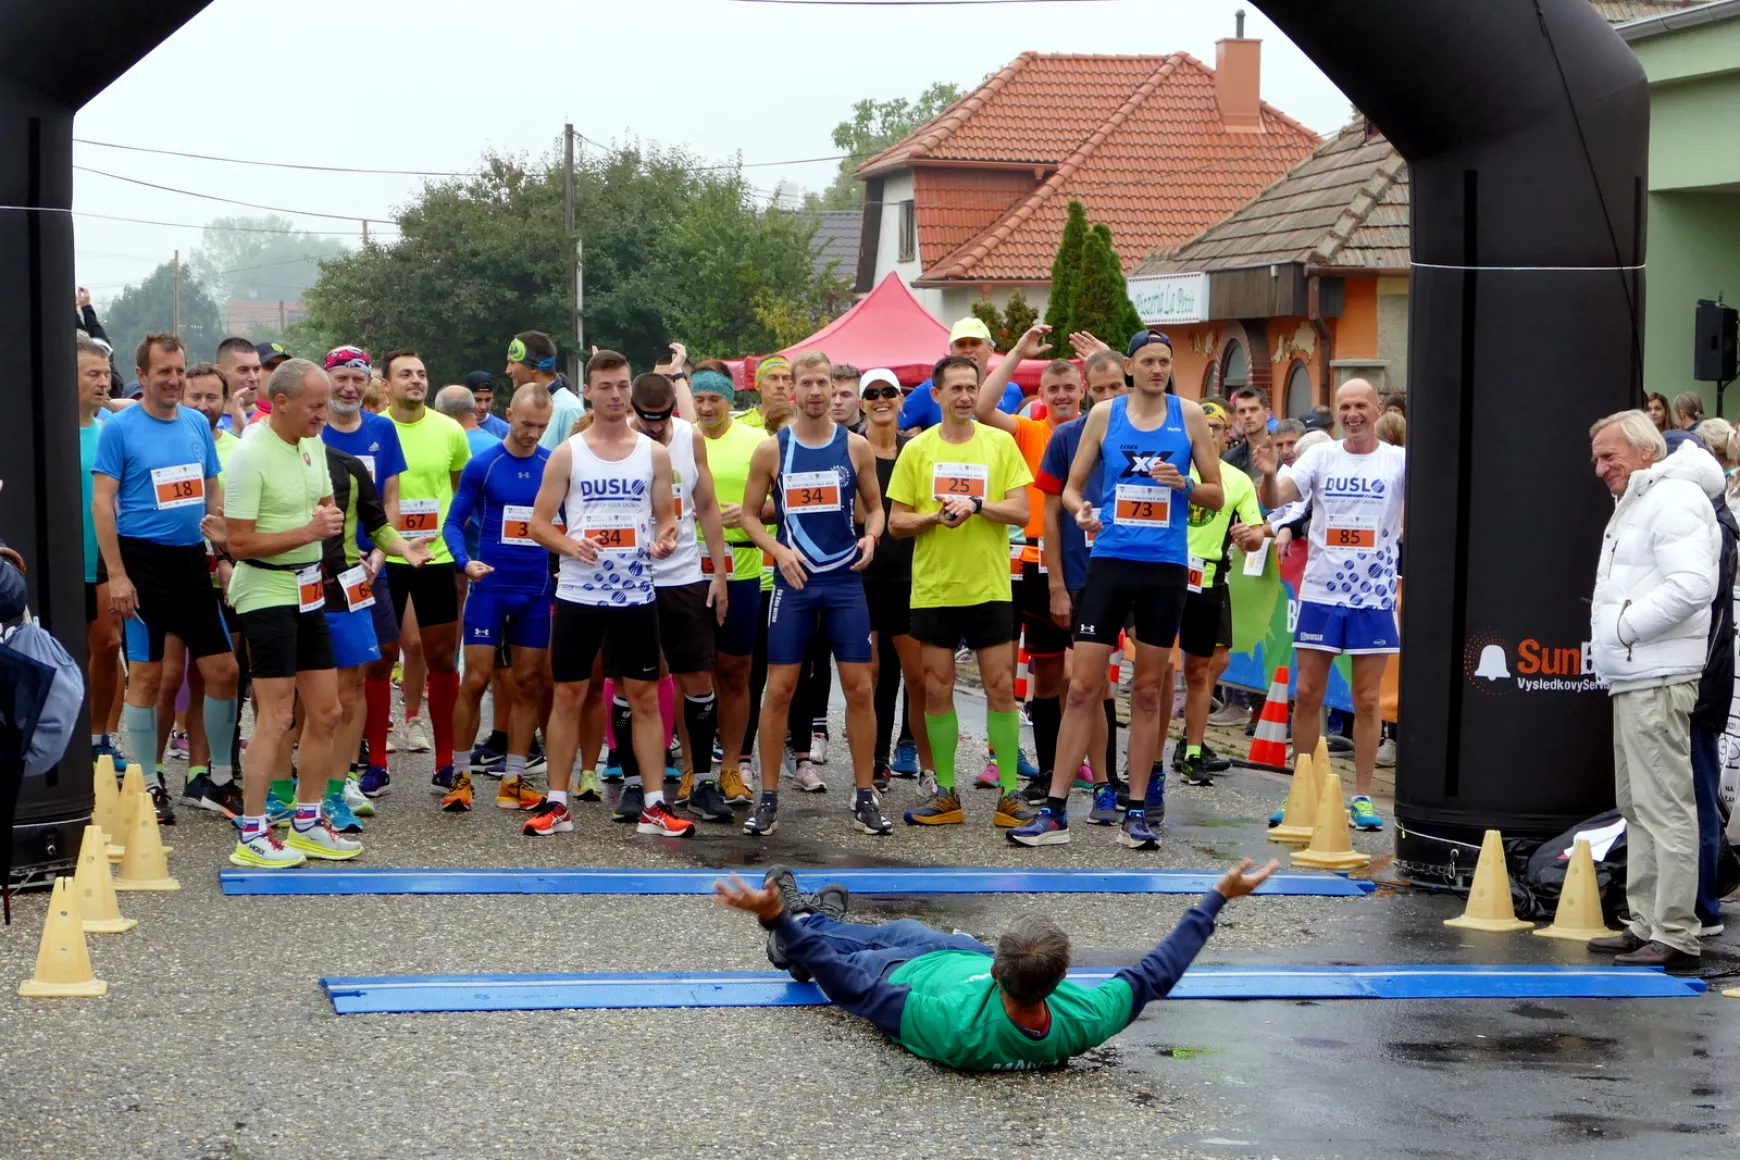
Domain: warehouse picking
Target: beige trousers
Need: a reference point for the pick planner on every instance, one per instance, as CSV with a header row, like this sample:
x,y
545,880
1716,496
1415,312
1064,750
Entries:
x,y
1652,773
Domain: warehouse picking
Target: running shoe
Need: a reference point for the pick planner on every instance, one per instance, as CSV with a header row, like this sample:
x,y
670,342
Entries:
x,y
416,737
323,842
265,851
1193,770
630,805
762,820
1229,715
279,811
989,778
673,768
1277,818
178,744
225,799
612,766
442,780
589,790
708,804
659,821
536,760
1363,815
334,809
1084,778
1105,811
458,799
516,793
783,880
487,762
867,817
359,803
881,777
1154,799
1214,762
806,777
833,900
905,763
198,783
684,789
1136,835
375,781
107,748
1045,830
1036,790
1012,811
547,819
731,785
165,807
1023,766
718,751
942,808
819,748
1386,753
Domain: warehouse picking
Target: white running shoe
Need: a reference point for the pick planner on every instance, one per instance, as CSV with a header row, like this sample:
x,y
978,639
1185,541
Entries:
x,y
1386,754
264,851
360,803
807,778
416,735
819,748
322,841
1229,715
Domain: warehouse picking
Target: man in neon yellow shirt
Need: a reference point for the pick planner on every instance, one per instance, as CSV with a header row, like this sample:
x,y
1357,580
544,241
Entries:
x,y
436,451
959,487
279,509
773,382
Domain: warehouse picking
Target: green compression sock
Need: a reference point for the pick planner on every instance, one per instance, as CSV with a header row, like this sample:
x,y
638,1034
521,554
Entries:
x,y
943,732
1004,730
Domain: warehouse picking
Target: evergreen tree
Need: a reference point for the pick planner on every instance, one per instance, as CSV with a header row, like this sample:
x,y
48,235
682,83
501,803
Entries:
x,y
1018,319
1129,319
1099,292
1065,273
986,311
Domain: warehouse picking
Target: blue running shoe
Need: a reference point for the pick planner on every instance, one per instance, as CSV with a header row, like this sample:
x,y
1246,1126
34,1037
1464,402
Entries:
x,y
1154,800
1364,814
1105,811
1136,834
905,763
279,812
442,780
1023,766
106,748
1048,829
338,812
612,770
1277,818
487,762
375,781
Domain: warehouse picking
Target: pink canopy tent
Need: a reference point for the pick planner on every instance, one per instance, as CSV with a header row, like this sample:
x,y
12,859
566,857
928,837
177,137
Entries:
x,y
887,328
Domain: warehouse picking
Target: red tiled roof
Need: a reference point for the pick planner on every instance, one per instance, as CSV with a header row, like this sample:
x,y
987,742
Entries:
x,y
1137,139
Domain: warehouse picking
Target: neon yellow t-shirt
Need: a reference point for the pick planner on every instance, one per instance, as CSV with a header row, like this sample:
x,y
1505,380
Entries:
x,y
277,485
435,450
1208,530
728,459
958,567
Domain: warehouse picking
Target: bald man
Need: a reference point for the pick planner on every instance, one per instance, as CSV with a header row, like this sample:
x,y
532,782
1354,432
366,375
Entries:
x,y
1347,602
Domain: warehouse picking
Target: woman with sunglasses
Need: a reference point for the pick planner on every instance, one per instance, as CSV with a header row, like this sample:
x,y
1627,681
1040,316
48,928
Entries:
x,y
888,582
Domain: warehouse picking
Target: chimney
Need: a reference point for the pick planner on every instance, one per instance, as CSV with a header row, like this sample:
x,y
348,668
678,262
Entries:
x,y
1238,76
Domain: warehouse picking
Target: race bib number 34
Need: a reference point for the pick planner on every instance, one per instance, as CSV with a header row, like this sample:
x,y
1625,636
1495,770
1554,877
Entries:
x,y
812,491
1143,506
613,535
180,486
965,480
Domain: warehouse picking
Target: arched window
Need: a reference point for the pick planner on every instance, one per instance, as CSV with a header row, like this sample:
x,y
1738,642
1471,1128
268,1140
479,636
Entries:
x,y
1300,395
1210,380
1235,367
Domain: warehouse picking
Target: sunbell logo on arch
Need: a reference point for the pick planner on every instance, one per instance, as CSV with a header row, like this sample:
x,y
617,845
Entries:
x,y
1494,667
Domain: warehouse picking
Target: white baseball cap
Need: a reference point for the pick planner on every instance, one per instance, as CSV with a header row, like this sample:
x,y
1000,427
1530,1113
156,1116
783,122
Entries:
x,y
880,375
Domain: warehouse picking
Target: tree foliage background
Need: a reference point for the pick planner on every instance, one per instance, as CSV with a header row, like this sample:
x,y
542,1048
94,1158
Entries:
x,y
1088,288
674,250
149,308
873,127
1010,323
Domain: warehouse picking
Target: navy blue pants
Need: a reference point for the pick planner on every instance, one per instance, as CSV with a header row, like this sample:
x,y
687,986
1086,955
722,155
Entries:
x,y
1706,785
850,960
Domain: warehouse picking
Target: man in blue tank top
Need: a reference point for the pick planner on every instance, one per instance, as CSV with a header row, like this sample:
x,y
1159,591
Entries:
x,y
1146,441
815,470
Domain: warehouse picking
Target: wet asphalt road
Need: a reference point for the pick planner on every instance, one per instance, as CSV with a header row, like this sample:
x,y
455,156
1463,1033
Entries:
x,y
215,1040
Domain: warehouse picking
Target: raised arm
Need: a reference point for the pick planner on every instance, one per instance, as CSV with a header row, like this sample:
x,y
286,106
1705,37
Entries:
x,y
1161,968
1031,345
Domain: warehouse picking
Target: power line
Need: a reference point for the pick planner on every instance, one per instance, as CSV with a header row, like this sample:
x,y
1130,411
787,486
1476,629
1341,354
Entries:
x,y
109,217
344,217
275,164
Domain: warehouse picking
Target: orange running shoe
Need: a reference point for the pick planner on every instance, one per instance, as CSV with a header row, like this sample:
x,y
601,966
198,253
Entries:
x,y
515,793
659,820
685,789
458,799
548,818
731,785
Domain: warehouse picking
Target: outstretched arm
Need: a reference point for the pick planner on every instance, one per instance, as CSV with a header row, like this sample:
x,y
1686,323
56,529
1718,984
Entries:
x,y
1161,968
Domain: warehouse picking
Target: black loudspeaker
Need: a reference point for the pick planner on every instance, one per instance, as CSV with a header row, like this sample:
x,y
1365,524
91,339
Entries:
x,y
1713,356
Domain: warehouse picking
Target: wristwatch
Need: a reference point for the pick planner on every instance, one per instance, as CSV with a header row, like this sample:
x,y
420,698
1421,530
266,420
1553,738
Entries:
x,y
978,503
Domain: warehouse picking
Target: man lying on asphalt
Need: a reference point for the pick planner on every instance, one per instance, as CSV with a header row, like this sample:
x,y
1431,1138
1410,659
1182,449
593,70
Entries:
x,y
931,993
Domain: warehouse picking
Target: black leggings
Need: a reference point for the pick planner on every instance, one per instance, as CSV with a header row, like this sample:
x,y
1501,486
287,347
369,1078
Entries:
x,y
757,679
808,714
887,687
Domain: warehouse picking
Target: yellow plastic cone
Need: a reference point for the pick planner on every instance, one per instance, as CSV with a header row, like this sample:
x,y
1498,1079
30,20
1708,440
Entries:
x,y
1300,819
1732,993
106,804
144,867
63,965
1579,914
1489,903
1320,755
95,886
1329,848
132,787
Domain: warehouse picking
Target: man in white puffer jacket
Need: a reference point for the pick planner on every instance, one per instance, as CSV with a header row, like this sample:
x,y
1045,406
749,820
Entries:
x,y
1649,632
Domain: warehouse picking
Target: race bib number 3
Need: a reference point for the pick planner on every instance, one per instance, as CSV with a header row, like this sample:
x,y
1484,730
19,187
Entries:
x,y
730,566
516,526
1356,532
178,487
419,516
965,480
358,593
812,491
1143,507
310,589
1193,580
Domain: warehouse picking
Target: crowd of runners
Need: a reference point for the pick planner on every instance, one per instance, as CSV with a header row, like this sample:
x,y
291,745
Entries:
x,y
659,563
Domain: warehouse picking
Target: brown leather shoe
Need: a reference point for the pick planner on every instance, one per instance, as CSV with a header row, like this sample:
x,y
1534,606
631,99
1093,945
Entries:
x,y
1615,944
1655,954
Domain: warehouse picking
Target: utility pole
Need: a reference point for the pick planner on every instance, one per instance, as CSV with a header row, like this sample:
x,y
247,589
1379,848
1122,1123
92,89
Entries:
x,y
175,297
365,233
280,318
574,259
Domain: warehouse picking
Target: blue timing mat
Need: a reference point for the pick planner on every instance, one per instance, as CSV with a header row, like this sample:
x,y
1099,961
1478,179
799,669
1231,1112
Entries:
x,y
404,993
896,880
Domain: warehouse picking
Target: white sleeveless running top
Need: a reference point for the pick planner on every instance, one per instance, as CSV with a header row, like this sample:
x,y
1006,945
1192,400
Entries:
x,y
682,566
612,504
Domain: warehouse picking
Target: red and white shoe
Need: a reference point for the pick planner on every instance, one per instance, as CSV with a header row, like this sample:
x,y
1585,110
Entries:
x,y
660,821
549,819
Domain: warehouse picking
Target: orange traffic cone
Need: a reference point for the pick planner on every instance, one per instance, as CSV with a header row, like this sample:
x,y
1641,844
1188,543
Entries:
x,y
106,804
63,964
1023,666
1578,916
1269,746
1300,819
144,866
1329,848
95,886
1489,902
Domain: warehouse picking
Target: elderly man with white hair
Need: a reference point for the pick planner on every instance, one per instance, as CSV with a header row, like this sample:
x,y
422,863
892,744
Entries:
x,y
1649,629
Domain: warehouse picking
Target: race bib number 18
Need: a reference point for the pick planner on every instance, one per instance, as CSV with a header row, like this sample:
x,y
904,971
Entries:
x,y
178,487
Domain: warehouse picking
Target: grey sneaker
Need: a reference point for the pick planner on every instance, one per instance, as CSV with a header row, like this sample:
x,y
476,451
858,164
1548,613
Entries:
x,y
708,804
867,819
1386,754
807,778
1229,715
832,901
763,819
783,880
629,805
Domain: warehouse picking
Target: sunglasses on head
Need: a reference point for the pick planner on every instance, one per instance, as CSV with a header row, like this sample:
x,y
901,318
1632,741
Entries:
x,y
882,392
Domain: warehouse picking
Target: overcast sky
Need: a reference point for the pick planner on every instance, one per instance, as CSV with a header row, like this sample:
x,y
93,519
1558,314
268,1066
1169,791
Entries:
x,y
430,84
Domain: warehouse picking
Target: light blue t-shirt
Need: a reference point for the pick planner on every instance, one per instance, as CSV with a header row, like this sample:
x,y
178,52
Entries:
x,y
566,408
88,437
165,467
496,426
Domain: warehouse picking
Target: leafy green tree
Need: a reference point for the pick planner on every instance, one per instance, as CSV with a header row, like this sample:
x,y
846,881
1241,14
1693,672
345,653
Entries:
x,y
1096,308
1129,319
873,127
1018,319
1065,272
149,308
986,311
